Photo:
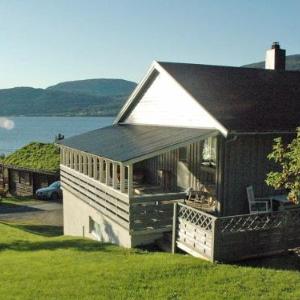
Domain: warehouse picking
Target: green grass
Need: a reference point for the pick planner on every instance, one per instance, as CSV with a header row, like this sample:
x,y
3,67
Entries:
x,y
37,263
39,156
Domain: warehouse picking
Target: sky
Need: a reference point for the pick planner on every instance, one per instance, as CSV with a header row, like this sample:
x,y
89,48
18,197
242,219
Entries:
x,y
46,42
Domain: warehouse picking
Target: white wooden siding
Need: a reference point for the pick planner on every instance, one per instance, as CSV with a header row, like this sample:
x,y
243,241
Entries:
x,y
166,103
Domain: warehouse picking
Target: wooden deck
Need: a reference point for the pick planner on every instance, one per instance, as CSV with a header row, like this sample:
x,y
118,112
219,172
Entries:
x,y
236,237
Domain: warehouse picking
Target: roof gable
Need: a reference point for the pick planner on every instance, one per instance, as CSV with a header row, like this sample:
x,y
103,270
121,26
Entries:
x,y
243,99
164,102
232,98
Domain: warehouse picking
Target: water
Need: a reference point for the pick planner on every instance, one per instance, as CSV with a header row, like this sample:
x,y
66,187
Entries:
x,y
44,129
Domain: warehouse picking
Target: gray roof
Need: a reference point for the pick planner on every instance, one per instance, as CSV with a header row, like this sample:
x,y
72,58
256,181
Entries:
x,y
243,99
131,142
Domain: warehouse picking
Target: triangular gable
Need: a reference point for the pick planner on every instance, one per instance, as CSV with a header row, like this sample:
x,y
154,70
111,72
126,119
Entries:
x,y
164,102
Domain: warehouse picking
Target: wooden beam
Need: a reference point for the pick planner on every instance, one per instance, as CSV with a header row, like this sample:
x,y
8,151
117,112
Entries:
x,y
90,165
174,228
115,176
101,169
122,179
107,171
76,167
95,165
130,180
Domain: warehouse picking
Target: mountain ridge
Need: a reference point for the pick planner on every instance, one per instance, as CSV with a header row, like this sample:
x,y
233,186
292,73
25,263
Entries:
x,y
292,63
71,98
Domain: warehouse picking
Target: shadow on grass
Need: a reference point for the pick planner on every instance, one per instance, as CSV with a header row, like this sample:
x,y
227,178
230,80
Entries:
x,y
74,244
43,230
50,231
287,262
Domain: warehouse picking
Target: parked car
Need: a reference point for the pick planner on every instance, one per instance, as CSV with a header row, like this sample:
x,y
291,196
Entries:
x,y
52,192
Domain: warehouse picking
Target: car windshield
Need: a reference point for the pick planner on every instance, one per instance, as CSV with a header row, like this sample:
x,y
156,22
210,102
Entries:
x,y
55,184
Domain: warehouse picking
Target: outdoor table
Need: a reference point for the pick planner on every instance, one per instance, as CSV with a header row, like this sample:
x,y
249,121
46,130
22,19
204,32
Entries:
x,y
281,199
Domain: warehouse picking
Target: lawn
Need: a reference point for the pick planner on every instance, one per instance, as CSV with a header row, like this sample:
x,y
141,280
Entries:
x,y
38,263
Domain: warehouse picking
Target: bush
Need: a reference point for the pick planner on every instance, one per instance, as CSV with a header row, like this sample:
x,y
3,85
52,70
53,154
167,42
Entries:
x,y
288,158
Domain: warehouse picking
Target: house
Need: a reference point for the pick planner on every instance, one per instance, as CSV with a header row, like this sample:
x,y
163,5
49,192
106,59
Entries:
x,y
185,126
32,167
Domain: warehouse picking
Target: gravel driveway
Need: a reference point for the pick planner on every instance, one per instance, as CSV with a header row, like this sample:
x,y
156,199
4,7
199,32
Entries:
x,y
40,212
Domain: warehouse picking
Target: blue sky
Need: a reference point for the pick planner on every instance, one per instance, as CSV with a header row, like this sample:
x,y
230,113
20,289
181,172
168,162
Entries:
x,y
45,42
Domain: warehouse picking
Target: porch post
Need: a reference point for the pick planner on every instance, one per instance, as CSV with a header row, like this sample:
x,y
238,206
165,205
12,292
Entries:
x,y
85,164
80,162
95,164
101,169
90,165
72,159
76,161
115,176
174,228
130,180
107,167
122,178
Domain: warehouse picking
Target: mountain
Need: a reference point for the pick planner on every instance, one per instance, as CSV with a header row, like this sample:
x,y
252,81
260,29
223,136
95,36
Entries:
x,y
96,87
93,97
292,63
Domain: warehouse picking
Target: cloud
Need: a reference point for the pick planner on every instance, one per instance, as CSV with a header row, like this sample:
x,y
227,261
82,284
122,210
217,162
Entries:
x,y
6,123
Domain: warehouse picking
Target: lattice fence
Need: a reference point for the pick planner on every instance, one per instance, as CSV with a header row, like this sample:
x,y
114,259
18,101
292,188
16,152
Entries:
x,y
195,217
251,222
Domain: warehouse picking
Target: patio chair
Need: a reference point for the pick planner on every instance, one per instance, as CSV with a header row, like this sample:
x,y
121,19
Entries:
x,y
258,205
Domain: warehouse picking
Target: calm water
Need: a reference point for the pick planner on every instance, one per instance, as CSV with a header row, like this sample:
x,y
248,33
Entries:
x,y
44,129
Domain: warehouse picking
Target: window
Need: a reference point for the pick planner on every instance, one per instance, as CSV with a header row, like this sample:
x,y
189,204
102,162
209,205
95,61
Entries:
x,y
183,154
209,153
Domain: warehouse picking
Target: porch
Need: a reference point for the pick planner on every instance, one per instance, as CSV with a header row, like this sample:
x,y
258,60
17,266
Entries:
x,y
234,238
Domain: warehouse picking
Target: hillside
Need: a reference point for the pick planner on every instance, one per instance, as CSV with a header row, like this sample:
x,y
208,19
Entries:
x,y
37,156
38,263
292,63
105,97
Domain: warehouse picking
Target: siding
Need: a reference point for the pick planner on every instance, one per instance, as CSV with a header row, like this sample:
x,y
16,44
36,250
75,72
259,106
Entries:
x,y
246,164
166,103
168,161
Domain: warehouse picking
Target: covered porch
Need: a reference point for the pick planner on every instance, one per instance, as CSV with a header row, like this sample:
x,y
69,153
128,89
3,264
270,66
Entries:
x,y
134,174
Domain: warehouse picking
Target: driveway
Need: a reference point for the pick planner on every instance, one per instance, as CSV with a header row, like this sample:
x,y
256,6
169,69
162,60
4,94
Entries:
x,y
39,212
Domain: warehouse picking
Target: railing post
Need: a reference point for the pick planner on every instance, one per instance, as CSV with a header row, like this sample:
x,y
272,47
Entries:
x,y
101,164
122,178
115,176
107,170
90,165
130,180
95,165
174,228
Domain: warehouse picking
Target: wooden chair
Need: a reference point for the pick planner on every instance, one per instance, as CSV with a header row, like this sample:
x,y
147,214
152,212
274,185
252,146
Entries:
x,y
258,205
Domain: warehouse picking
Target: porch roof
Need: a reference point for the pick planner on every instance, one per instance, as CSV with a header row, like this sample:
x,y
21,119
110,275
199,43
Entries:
x,y
132,143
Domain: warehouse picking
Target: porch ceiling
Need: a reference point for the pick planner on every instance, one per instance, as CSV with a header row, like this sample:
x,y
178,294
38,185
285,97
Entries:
x,y
133,143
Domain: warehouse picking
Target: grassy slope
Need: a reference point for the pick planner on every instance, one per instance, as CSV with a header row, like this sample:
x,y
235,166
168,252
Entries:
x,y
37,266
35,156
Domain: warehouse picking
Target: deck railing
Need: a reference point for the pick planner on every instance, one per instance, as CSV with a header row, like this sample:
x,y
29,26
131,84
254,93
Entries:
x,y
235,237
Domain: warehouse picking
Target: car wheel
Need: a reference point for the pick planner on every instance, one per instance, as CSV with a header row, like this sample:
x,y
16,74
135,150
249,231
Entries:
x,y
54,196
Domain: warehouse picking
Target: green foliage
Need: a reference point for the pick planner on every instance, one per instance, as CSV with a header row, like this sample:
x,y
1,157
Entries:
x,y
38,263
97,97
288,158
38,156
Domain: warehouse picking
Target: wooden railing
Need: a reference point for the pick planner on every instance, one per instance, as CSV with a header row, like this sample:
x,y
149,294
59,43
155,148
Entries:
x,y
235,237
111,203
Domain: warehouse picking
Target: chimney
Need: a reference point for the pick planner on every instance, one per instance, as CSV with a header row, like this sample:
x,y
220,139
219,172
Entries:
x,y
275,58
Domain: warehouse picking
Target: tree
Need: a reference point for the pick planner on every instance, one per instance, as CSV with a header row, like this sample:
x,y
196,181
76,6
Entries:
x,y
288,159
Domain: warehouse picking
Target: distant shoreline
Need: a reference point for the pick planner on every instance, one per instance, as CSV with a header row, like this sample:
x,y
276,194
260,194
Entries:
x,y
63,116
